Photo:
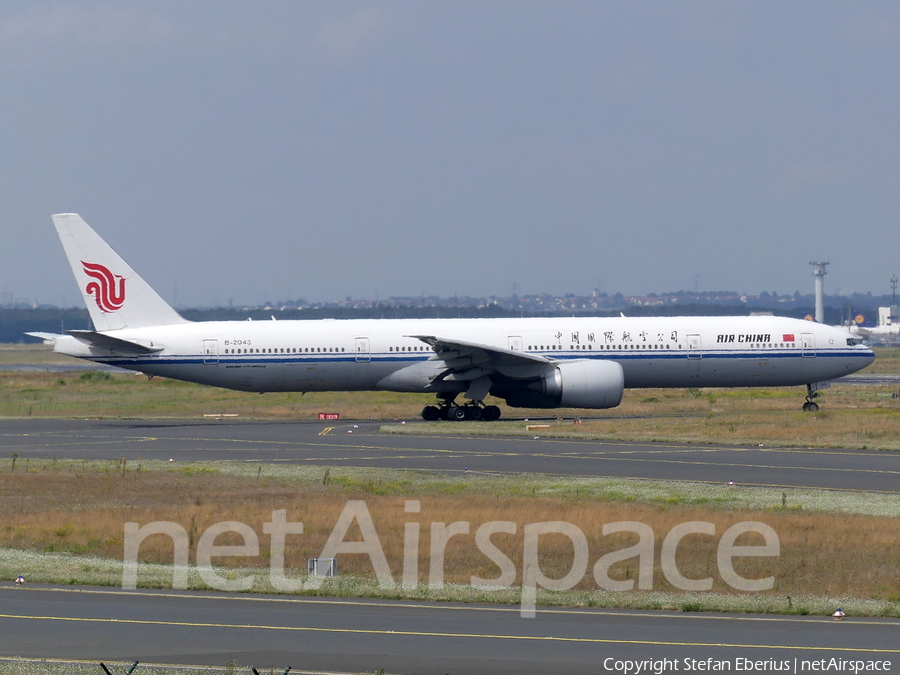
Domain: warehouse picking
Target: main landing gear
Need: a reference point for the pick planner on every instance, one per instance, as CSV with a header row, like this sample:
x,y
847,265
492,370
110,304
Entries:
x,y
475,411
811,395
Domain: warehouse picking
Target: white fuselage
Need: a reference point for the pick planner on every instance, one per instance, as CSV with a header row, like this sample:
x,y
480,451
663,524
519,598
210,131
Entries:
x,y
537,362
378,354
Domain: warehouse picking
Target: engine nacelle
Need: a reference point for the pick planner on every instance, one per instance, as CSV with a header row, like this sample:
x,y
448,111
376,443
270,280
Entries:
x,y
581,383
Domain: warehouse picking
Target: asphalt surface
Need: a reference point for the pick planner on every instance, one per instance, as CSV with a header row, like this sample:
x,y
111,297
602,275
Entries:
x,y
348,444
407,637
329,635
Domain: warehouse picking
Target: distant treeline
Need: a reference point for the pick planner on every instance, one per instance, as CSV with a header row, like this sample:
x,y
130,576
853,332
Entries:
x,y
14,323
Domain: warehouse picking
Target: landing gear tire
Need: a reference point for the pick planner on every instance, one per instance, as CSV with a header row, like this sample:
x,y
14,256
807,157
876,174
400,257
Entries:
x,y
491,413
431,413
812,393
457,413
448,411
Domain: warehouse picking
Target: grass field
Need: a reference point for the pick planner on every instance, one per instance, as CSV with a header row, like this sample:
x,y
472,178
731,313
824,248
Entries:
x,y
64,520
69,517
17,666
851,416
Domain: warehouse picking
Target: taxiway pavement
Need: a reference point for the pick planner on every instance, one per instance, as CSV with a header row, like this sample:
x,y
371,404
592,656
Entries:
x,y
361,444
321,634
365,635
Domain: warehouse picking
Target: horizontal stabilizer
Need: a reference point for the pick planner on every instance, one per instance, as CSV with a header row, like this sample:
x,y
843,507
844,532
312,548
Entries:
x,y
48,338
114,343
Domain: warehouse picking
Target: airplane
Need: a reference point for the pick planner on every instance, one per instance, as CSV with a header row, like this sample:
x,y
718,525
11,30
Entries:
x,y
544,362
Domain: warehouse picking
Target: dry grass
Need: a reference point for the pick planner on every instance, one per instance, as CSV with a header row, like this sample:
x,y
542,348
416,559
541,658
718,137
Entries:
x,y
21,666
887,361
81,509
858,415
31,354
852,416
99,394
133,395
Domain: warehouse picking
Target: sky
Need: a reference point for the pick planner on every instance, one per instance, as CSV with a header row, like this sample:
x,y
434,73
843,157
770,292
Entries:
x,y
238,152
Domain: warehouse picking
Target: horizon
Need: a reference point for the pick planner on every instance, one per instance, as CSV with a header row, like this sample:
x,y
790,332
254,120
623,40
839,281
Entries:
x,y
717,297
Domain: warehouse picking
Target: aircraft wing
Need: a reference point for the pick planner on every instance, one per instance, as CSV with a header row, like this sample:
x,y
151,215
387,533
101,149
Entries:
x,y
459,355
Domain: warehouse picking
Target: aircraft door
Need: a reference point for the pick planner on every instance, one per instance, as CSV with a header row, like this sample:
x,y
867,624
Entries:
x,y
515,343
362,350
695,347
808,342
210,352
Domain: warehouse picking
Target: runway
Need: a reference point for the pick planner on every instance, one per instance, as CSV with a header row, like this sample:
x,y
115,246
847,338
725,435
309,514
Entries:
x,y
312,634
336,444
333,635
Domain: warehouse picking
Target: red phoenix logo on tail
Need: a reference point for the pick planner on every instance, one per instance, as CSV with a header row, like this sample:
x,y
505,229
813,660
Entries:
x,y
108,297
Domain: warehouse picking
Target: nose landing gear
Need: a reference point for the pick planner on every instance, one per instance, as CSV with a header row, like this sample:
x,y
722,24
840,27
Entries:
x,y
812,393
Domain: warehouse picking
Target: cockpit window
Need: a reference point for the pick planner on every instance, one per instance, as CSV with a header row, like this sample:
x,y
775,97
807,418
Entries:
x,y
852,342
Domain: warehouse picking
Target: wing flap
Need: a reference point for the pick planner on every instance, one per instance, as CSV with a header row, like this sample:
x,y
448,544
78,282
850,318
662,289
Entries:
x,y
459,355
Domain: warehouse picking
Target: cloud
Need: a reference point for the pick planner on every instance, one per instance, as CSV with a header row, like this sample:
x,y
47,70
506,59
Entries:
x,y
340,39
56,27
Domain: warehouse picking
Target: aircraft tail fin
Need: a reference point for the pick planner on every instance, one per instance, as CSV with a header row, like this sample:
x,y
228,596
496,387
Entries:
x,y
115,295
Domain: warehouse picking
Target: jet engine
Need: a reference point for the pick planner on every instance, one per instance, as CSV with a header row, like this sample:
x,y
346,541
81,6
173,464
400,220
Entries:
x,y
581,383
